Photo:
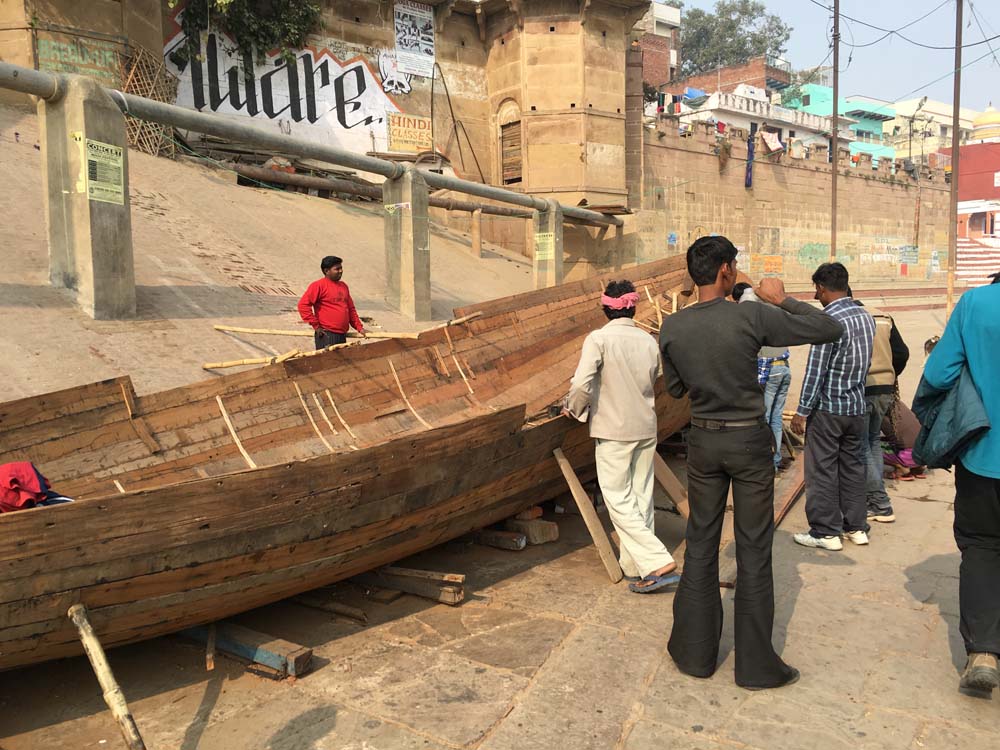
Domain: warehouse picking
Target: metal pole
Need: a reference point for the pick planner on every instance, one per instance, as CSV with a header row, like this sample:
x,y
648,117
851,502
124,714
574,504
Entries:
x,y
263,174
835,146
48,86
953,212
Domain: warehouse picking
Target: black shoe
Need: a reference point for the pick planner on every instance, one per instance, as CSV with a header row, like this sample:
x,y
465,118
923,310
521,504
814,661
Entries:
x,y
790,680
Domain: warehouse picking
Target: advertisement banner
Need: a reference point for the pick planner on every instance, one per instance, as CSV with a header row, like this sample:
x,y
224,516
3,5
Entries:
x,y
68,53
414,26
409,134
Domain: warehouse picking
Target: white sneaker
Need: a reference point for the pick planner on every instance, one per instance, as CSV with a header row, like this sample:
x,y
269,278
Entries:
x,y
858,537
831,543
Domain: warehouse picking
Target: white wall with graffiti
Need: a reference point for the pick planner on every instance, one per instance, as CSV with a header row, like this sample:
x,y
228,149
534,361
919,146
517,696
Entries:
x,y
344,95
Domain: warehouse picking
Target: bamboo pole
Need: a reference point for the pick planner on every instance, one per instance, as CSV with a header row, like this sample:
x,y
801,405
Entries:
x,y
284,332
113,695
233,434
406,401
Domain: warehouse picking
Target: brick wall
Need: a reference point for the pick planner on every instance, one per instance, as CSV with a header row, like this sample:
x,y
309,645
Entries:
x,y
782,223
656,57
754,73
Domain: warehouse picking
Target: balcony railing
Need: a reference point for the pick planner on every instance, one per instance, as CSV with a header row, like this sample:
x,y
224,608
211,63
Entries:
x,y
773,61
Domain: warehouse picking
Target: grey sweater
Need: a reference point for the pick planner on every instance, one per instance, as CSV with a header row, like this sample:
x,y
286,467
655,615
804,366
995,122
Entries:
x,y
710,351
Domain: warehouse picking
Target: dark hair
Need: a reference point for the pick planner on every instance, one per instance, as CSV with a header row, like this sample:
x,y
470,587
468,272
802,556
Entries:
x,y
329,262
833,276
706,256
738,290
850,293
995,277
617,289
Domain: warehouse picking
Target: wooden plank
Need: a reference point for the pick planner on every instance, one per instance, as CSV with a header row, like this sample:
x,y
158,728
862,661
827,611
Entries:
x,y
594,525
325,600
671,485
447,588
283,656
500,539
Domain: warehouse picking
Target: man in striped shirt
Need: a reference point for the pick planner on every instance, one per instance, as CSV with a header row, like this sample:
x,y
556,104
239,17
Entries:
x,y
832,412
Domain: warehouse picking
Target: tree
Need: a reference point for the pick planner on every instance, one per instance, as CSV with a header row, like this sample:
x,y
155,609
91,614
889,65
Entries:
x,y
737,31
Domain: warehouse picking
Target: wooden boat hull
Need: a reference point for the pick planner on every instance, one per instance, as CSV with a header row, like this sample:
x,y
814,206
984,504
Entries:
x,y
172,549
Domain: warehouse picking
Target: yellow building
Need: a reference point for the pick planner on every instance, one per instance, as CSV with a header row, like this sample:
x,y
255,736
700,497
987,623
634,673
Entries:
x,y
986,127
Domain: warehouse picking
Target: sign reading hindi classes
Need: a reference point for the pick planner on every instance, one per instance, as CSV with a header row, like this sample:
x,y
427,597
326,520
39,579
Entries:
x,y
414,27
409,134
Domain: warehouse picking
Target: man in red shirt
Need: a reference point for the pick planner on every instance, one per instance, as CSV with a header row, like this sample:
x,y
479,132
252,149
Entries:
x,y
327,305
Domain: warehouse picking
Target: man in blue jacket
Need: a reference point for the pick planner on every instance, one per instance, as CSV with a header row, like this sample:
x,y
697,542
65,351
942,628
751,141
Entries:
x,y
970,340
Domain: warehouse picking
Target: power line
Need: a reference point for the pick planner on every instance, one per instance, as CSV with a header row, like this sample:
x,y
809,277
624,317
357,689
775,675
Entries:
x,y
905,26
975,15
895,32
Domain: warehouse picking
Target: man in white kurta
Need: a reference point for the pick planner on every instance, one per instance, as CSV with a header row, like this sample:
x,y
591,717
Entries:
x,y
613,390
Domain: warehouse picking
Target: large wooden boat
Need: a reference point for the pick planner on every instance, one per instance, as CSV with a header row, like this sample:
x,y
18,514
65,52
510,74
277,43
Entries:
x,y
200,502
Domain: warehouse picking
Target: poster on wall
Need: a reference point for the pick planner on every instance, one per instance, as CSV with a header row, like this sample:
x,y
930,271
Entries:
x,y
69,53
772,265
409,134
414,25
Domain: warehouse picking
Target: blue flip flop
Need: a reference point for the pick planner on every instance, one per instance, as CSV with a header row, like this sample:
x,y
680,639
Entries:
x,y
656,583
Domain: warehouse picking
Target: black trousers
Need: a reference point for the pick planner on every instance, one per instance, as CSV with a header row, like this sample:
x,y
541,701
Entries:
x,y
836,468
977,533
743,457
324,338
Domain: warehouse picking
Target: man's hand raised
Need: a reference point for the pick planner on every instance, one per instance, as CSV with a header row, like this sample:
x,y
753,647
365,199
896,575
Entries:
x,y
771,290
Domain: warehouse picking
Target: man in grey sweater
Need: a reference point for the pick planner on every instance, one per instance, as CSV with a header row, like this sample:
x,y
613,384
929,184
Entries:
x,y
710,353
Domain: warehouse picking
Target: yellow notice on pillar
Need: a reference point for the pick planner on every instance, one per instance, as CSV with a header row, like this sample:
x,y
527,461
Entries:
x,y
104,172
545,246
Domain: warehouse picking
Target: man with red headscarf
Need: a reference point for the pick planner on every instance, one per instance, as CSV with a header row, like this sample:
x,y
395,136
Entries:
x,y
613,390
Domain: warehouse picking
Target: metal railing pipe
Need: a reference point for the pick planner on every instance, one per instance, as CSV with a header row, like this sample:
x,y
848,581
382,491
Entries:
x,y
28,81
190,119
48,85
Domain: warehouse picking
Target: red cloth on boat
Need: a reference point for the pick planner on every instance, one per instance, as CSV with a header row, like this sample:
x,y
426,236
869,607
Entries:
x,y
20,487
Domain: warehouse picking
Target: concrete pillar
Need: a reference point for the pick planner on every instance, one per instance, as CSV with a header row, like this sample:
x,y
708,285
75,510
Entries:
x,y
87,213
548,246
407,250
619,247
477,233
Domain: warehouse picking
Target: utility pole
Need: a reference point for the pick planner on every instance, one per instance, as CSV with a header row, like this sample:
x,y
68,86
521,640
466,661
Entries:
x,y
955,145
835,125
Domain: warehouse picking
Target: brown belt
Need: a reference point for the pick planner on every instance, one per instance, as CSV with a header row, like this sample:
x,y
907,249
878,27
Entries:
x,y
724,424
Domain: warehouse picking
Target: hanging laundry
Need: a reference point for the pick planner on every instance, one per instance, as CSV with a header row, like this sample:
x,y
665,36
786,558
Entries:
x,y
771,141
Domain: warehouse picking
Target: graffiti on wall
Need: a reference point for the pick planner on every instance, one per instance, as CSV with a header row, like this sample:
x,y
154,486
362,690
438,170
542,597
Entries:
x,y
332,94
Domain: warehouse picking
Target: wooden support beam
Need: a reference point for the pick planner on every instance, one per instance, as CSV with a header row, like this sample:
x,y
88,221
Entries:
x,y
594,525
339,417
113,695
325,600
500,539
210,648
282,656
481,21
447,588
305,408
406,401
232,432
139,426
671,485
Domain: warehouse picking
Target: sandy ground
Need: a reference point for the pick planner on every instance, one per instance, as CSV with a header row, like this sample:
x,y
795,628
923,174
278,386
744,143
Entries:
x,y
197,238
546,653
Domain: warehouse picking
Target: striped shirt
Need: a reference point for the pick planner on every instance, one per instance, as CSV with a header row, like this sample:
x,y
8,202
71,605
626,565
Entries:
x,y
836,373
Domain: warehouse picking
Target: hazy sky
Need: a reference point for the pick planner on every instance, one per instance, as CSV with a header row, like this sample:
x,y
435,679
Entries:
x,y
894,68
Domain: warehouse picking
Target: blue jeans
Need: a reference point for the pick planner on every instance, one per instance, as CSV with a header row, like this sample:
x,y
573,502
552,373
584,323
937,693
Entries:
x,y
878,501
775,393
